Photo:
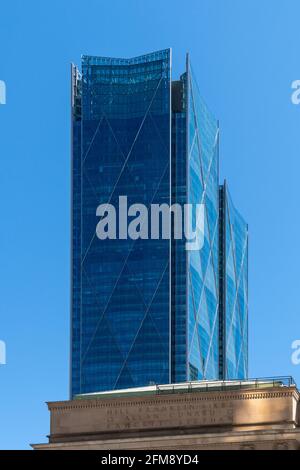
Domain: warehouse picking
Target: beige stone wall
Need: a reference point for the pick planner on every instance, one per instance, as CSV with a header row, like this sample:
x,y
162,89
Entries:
x,y
211,420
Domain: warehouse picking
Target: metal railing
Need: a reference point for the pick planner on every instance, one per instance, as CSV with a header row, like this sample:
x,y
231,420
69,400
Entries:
x,y
227,385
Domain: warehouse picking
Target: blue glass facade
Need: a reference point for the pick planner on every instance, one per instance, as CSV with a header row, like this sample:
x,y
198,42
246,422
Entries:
x,y
121,295
202,265
234,290
143,311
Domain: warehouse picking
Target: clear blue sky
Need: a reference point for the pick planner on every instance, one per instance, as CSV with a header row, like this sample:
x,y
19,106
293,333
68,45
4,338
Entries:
x,y
245,54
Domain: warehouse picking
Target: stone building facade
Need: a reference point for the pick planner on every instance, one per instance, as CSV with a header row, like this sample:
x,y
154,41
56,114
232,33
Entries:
x,y
243,418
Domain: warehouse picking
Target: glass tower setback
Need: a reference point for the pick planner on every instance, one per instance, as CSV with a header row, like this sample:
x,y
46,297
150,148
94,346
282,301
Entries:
x,y
147,311
233,290
202,265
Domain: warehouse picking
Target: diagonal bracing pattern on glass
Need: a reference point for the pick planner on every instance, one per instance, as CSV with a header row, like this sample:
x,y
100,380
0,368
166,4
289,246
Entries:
x,y
147,311
121,295
236,278
202,265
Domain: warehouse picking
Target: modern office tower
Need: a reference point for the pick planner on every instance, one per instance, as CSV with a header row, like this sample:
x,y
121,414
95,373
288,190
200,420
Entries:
x,y
143,310
233,316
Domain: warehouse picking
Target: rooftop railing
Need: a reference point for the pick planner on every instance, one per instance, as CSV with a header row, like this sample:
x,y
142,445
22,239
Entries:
x,y
226,385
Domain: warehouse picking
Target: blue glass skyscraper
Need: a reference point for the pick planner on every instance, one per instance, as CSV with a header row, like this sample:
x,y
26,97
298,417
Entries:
x,y
146,310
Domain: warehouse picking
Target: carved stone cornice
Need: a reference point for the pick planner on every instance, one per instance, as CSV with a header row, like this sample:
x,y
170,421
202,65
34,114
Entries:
x,y
171,399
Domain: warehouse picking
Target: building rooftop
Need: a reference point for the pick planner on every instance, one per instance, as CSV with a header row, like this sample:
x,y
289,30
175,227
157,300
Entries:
x,y
194,386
